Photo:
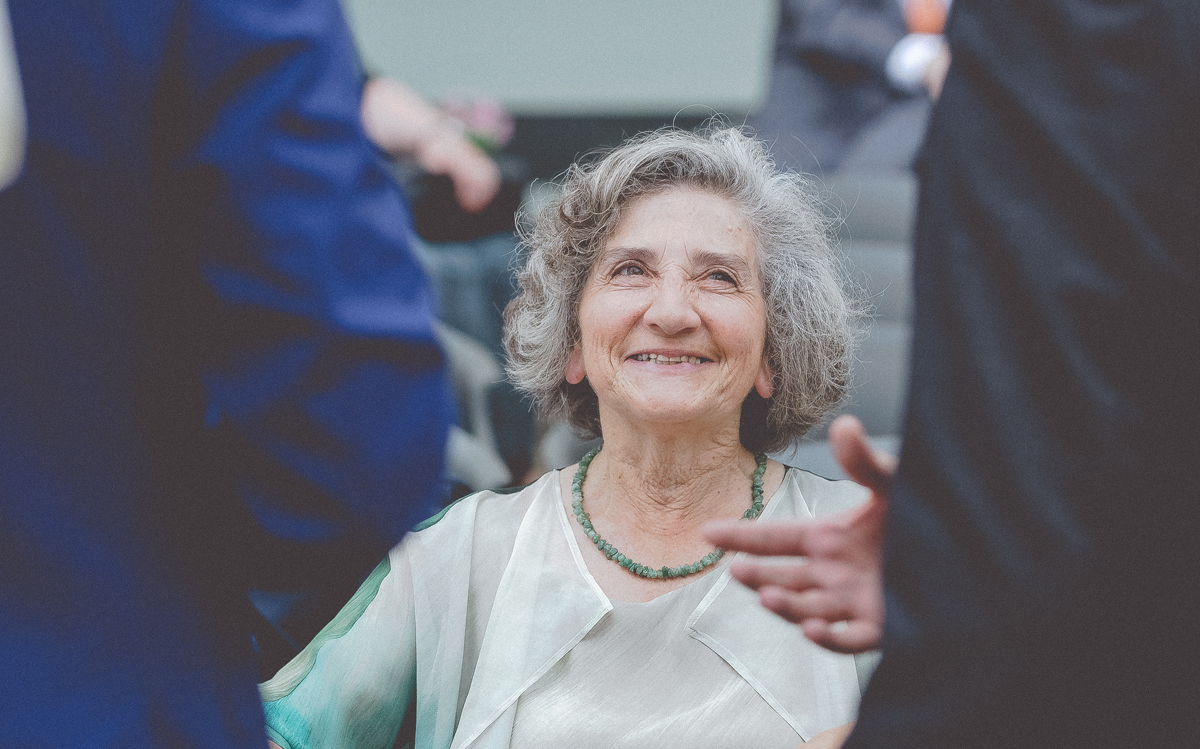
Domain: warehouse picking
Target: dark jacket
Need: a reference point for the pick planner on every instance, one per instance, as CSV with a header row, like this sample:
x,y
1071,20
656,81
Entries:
x,y
1041,561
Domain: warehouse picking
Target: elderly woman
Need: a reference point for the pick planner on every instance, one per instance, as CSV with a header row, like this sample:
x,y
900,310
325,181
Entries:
x,y
680,301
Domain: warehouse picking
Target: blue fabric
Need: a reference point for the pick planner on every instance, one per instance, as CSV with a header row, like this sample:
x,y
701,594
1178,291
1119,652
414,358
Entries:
x,y
218,369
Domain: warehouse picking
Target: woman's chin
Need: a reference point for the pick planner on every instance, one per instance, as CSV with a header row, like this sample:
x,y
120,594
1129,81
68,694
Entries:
x,y
667,415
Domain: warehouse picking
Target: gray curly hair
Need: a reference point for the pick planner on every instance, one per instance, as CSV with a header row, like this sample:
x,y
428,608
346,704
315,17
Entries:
x,y
810,320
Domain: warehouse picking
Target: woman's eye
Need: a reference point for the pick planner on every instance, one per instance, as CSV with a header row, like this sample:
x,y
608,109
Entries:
x,y
722,276
630,270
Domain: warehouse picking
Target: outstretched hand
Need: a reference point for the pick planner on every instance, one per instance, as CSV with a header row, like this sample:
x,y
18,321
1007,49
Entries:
x,y
836,595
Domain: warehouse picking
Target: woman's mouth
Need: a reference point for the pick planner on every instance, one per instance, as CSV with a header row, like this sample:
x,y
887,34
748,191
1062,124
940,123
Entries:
x,y
660,359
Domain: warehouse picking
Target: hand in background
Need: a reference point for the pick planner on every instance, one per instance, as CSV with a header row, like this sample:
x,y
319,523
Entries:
x,y
836,595
401,122
935,73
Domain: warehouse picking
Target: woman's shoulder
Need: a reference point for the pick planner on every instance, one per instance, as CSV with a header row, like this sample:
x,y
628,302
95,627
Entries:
x,y
490,517
463,553
504,501
822,496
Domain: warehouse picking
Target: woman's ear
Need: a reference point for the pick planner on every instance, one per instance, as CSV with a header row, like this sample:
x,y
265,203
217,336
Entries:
x,y
574,370
765,382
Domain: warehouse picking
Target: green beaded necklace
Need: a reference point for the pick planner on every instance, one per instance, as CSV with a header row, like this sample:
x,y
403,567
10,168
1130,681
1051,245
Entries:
x,y
683,570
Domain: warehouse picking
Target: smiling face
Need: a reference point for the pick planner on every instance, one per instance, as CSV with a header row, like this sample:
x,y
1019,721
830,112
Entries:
x,y
672,320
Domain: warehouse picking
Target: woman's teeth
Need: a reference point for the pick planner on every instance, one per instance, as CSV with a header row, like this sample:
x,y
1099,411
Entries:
x,y
660,359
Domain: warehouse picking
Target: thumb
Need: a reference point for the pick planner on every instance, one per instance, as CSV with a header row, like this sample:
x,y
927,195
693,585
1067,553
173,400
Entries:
x,y
853,452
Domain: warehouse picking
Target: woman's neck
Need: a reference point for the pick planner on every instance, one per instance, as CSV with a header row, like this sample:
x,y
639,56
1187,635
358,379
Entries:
x,y
666,479
649,492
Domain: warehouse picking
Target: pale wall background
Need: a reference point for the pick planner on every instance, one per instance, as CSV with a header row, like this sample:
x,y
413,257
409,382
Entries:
x,y
574,57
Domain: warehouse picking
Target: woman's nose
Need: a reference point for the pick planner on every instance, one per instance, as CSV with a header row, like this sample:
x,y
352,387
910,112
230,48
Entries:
x,y
671,311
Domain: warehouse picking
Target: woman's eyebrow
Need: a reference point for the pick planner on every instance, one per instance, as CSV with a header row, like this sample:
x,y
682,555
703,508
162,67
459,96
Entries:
x,y
621,254
712,257
703,258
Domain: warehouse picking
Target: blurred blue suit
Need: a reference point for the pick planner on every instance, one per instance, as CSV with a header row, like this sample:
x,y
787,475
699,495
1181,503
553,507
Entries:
x,y
218,369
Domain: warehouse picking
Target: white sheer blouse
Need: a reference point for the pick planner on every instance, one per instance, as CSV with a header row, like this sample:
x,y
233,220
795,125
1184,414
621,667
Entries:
x,y
485,629
669,690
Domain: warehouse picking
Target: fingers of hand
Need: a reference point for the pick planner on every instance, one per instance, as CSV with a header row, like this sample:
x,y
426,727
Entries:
x,y
808,604
796,577
844,578
854,636
850,536
781,538
845,536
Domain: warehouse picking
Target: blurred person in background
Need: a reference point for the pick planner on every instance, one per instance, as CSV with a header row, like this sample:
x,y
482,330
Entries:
x,y
466,240
220,372
851,83
464,206
1040,557
680,299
